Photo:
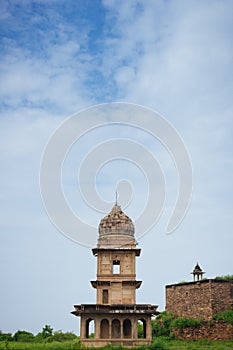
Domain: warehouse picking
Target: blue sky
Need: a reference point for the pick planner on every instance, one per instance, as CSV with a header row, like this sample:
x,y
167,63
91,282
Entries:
x,y
60,57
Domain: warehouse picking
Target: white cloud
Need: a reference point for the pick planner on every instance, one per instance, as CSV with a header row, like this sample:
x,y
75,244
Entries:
x,y
178,51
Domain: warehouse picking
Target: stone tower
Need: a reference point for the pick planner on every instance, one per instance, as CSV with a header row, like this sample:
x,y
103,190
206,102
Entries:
x,y
116,314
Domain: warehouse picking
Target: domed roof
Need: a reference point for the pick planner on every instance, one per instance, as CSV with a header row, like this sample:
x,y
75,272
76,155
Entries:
x,y
116,228
116,222
197,270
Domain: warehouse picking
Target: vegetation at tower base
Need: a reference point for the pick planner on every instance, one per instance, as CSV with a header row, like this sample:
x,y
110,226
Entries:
x,y
168,331
162,343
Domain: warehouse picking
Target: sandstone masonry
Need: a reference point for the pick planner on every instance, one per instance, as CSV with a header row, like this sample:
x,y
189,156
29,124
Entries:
x,y
199,299
218,330
115,316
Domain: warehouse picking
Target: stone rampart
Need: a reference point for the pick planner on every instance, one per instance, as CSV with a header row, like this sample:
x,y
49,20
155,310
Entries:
x,y
201,299
213,330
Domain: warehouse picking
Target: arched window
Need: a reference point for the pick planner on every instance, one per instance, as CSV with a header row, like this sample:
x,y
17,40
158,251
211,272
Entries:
x,y
116,329
104,329
90,328
127,329
142,328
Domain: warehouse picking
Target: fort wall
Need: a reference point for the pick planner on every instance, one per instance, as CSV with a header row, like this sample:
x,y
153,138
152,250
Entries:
x,y
201,299
217,330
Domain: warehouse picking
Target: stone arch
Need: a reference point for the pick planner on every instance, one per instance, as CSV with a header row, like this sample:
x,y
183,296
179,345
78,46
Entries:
x,y
104,329
142,328
116,328
127,328
90,327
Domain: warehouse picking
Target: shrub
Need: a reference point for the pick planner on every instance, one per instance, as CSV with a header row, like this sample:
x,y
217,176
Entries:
x,y
224,278
23,336
161,326
39,338
61,337
183,322
226,316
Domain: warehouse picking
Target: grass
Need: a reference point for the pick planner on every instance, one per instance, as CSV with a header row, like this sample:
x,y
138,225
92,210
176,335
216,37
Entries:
x,y
69,345
159,344
200,345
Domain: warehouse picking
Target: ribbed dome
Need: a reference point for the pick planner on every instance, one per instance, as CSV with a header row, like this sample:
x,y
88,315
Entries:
x,y
116,228
116,222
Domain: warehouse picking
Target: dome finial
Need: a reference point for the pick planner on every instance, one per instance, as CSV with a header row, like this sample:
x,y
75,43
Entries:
x,y
116,196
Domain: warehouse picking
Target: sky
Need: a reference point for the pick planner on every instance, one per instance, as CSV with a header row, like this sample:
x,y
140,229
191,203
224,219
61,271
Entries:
x,y
59,58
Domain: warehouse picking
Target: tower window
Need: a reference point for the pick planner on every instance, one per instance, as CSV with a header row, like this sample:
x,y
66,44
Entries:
x,y
105,296
116,267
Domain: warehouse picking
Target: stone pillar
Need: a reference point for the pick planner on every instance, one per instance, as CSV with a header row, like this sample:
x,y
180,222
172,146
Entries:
x,y
110,328
134,328
121,323
97,328
83,328
148,329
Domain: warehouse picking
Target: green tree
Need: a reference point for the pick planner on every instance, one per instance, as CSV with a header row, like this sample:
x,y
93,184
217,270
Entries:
x,y
140,330
5,336
47,331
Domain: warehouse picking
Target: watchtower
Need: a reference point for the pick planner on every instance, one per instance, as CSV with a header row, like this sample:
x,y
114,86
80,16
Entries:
x,y
116,314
